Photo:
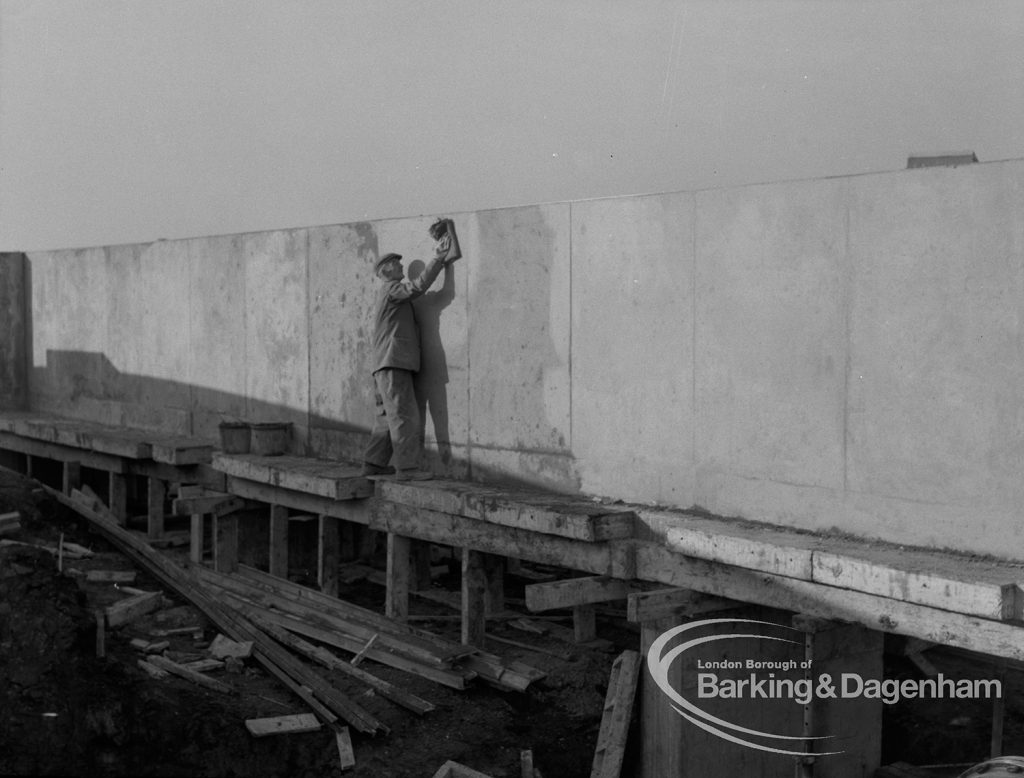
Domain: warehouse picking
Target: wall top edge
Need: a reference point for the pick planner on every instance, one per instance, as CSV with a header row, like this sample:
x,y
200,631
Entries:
x,y
402,217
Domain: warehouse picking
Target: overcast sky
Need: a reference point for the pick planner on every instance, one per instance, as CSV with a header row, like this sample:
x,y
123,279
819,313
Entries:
x,y
145,119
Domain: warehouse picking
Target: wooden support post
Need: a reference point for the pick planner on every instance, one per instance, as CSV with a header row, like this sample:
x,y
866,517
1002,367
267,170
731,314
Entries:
x,y
29,467
327,555
474,587
118,497
421,565
347,537
396,603
72,477
156,494
584,623
998,714
494,571
618,711
225,543
195,547
279,541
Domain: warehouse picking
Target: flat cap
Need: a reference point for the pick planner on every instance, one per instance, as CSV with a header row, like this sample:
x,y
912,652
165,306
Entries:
x,y
386,258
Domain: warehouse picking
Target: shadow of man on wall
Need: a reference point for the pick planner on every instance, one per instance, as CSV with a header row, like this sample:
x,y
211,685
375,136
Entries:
x,y
432,380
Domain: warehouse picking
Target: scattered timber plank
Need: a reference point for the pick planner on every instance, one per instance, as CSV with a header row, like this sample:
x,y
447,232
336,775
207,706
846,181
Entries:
x,y
203,665
110,576
526,763
13,518
452,769
546,513
283,725
329,660
618,710
152,669
336,480
612,558
122,612
998,638
359,630
649,606
66,550
490,668
174,668
451,677
346,756
577,591
327,702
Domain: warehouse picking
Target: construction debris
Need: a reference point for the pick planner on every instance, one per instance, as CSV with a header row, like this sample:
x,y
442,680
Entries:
x,y
110,576
452,769
323,698
346,756
10,523
166,664
122,612
224,647
282,725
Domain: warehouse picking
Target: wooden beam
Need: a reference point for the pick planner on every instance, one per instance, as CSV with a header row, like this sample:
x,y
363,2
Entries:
x,y
156,494
327,555
399,566
474,587
210,502
647,606
925,577
613,558
279,541
452,769
657,563
322,477
197,678
356,510
544,512
571,592
36,448
618,711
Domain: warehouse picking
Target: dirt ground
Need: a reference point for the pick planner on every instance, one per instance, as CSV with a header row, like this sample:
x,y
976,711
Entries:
x,y
65,711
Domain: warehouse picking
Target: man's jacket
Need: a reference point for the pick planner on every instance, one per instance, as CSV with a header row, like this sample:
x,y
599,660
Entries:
x,y
396,336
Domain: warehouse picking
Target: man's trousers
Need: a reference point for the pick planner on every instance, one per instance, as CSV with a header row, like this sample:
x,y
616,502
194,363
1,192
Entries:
x,y
396,427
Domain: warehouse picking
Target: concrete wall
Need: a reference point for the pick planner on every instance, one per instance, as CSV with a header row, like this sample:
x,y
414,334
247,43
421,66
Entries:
x,y
841,353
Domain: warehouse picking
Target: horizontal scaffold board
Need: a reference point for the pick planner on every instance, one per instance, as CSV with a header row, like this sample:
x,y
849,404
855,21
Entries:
x,y
126,442
655,562
552,514
612,558
935,578
320,477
